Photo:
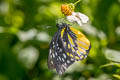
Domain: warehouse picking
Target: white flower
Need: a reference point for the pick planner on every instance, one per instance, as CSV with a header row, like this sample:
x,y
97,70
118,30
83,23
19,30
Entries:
x,y
71,16
77,17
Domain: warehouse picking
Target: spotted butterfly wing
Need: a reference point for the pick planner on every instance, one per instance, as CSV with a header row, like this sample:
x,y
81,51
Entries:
x,y
57,57
76,44
67,46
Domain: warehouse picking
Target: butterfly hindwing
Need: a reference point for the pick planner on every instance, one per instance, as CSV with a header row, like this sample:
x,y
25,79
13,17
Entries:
x,y
63,61
57,57
51,52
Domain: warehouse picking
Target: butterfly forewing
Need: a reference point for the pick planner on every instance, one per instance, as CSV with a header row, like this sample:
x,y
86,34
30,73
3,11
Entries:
x,y
76,44
81,43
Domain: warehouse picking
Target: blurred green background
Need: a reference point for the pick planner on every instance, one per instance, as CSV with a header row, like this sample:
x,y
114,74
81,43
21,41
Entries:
x,y
27,26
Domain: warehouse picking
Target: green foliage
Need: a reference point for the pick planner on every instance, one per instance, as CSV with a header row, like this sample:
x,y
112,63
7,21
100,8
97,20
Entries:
x,y
27,26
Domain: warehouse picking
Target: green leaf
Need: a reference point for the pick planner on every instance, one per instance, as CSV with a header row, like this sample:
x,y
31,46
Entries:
x,y
112,55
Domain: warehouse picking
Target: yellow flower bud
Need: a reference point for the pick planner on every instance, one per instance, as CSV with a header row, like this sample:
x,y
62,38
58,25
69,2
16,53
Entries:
x,y
67,9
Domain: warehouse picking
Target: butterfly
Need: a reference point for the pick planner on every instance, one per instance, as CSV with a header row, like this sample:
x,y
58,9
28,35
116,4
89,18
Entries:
x,y
67,46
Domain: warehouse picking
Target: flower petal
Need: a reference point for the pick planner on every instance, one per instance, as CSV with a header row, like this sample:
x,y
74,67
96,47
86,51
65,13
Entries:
x,y
82,17
72,18
74,13
79,22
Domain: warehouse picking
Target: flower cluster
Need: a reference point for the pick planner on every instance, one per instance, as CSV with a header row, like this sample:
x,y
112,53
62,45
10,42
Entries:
x,y
71,16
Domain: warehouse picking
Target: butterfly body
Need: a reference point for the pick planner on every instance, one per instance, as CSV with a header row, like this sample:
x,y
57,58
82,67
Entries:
x,y
67,46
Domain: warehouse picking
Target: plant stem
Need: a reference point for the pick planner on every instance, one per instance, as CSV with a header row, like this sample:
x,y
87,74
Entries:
x,y
77,2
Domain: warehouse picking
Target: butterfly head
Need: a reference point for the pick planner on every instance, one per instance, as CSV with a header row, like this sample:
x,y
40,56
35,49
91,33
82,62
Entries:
x,y
62,25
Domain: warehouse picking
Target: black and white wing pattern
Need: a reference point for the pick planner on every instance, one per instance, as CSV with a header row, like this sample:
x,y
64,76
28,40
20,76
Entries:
x,y
67,46
58,58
